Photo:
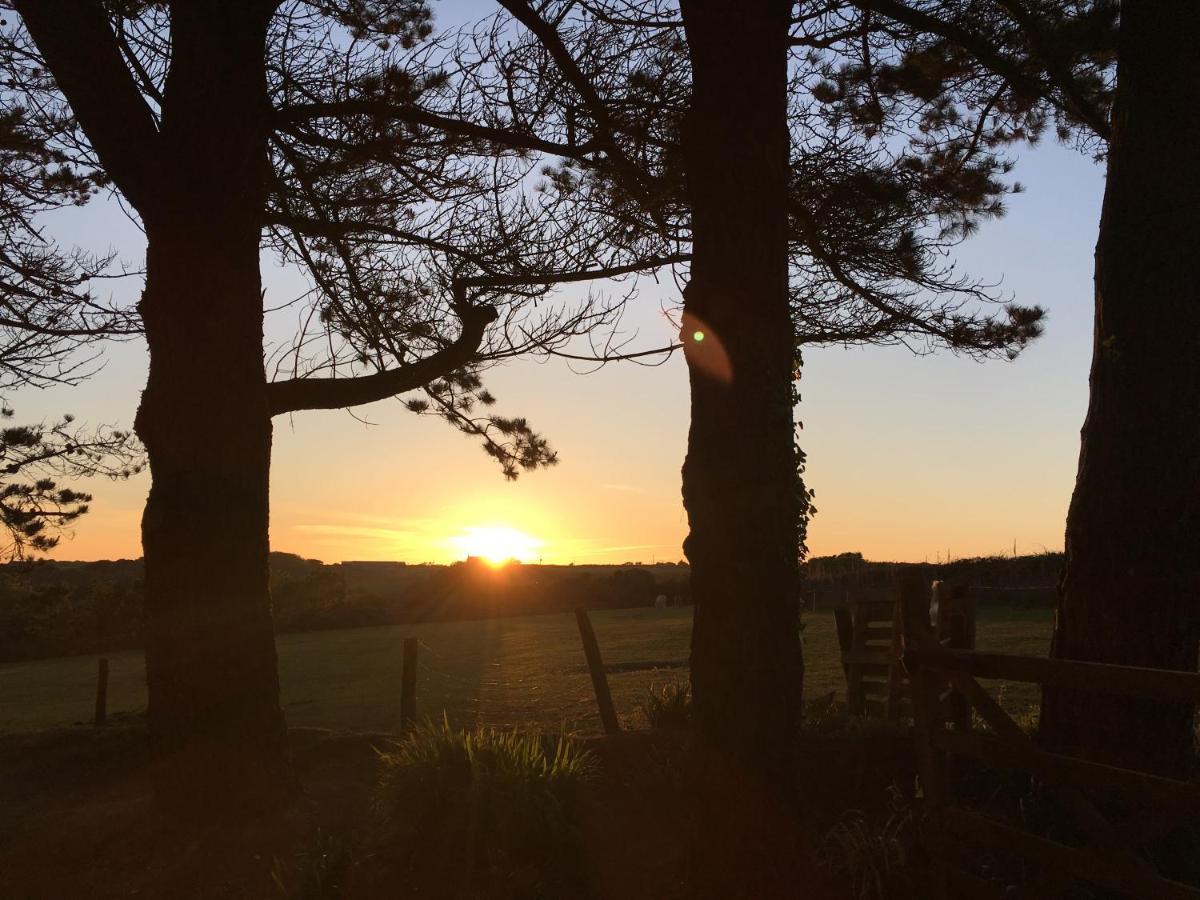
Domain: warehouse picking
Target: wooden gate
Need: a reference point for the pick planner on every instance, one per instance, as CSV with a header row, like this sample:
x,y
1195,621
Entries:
x,y
869,635
1110,855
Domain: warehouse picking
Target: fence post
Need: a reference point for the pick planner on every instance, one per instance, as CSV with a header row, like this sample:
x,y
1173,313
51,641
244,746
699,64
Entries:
x,y
917,632
856,697
408,685
591,651
964,603
953,617
845,633
102,691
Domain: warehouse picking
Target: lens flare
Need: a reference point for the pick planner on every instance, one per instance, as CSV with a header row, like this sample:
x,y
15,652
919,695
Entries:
x,y
705,353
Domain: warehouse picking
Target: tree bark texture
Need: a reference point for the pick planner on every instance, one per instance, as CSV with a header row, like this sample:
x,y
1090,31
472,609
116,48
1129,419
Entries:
x,y
214,715
1130,592
740,481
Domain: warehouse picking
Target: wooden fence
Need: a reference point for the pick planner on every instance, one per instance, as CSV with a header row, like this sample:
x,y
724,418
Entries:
x,y
869,635
1110,855
408,679
870,642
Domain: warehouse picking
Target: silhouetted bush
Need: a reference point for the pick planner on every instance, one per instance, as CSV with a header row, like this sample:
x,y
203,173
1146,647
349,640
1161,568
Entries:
x,y
668,705
38,619
484,813
871,853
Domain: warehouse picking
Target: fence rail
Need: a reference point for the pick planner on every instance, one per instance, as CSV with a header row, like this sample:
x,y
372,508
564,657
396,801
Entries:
x,y
1111,856
1129,681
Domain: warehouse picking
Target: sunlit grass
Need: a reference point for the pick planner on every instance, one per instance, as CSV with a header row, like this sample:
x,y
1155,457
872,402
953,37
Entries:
x,y
526,672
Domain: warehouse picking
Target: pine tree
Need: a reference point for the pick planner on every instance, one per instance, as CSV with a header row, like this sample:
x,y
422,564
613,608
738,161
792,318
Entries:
x,y
1130,591
297,127
35,509
736,140
1113,78
50,324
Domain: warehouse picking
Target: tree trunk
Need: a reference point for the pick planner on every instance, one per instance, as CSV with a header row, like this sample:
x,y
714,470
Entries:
x,y
1130,592
214,715
740,479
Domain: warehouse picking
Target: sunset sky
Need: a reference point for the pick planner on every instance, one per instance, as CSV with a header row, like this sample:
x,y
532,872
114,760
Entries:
x,y
911,457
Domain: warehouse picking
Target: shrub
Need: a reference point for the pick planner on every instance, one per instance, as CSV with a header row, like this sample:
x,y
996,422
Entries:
x,y
871,853
668,706
485,813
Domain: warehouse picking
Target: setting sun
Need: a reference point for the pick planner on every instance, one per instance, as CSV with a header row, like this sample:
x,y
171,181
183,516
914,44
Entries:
x,y
497,544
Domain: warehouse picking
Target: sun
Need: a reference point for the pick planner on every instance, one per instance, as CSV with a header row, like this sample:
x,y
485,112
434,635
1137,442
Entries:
x,y
497,544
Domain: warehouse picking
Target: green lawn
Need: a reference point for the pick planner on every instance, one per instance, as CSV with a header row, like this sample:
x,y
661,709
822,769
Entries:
x,y
527,671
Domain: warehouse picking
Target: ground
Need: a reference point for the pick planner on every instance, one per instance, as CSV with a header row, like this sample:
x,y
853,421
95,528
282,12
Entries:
x,y
77,819
527,671
77,815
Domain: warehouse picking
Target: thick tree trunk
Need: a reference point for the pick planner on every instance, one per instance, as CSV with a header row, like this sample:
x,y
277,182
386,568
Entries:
x,y
214,713
740,482
1131,589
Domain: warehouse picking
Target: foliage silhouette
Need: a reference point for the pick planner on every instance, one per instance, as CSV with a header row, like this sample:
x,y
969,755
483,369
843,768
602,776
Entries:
x,y
35,512
427,255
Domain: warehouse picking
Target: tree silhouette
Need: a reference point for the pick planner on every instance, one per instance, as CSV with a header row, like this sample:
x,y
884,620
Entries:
x,y
213,123
50,321
47,310
798,221
1127,595
35,510
1130,585
396,170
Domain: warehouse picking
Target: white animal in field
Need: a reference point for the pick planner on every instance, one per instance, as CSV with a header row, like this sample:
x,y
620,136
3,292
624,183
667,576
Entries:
x,y
660,602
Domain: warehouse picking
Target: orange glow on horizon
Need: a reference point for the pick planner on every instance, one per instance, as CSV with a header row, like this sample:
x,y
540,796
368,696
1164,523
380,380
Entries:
x,y
497,544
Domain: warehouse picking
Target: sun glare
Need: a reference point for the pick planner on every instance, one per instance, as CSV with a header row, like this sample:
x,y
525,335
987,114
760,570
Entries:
x,y
498,544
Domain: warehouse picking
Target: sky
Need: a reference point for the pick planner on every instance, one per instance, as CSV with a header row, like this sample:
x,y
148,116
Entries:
x,y
912,458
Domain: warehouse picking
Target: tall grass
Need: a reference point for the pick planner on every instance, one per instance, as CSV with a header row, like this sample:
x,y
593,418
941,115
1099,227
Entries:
x,y
668,705
485,813
871,853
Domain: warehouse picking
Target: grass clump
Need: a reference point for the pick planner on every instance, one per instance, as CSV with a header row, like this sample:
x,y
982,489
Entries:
x,y
485,813
870,853
669,705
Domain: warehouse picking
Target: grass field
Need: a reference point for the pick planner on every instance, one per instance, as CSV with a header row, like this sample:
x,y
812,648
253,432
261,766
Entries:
x,y
513,671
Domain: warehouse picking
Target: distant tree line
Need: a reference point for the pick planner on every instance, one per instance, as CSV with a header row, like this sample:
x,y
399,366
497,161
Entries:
x,y
1023,581
60,609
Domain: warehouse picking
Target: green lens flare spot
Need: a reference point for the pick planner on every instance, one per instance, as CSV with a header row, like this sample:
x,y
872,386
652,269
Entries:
x,y
697,336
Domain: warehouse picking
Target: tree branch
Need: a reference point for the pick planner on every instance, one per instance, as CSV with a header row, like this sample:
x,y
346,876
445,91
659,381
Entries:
x,y
988,55
1061,75
81,50
298,113
644,265
548,36
296,394
338,393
